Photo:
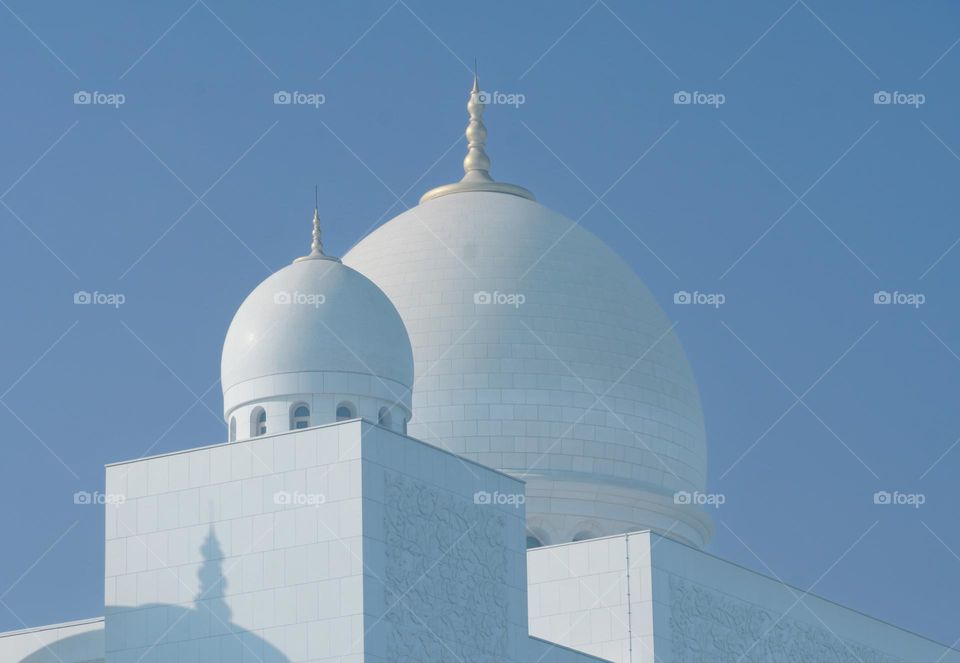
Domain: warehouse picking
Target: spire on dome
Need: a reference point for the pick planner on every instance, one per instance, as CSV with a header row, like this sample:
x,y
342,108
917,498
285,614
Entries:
x,y
476,165
316,243
316,246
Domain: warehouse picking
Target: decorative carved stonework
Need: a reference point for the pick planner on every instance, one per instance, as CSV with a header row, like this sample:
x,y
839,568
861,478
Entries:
x,y
711,627
446,573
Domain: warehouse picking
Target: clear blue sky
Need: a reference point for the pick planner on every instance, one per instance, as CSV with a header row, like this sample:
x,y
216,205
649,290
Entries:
x,y
87,206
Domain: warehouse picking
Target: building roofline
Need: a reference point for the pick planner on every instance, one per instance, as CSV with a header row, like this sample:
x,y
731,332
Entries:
x,y
327,425
762,575
569,649
50,627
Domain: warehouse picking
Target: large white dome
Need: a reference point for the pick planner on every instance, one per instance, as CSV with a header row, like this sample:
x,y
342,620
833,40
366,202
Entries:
x,y
538,351
320,334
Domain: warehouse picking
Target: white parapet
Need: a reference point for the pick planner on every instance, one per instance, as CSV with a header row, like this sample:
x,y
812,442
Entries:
x,y
70,642
641,598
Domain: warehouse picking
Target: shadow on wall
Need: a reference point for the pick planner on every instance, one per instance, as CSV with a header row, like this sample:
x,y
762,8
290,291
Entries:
x,y
174,632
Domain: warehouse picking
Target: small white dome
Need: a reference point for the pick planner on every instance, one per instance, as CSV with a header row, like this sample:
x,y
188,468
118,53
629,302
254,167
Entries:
x,y
318,334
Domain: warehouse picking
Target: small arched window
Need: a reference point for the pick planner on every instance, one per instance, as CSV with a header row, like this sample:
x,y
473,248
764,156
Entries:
x,y
258,422
533,542
403,425
583,536
299,417
384,418
233,429
345,411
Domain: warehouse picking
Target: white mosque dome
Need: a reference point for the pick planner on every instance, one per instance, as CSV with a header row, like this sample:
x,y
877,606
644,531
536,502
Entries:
x,y
313,343
538,351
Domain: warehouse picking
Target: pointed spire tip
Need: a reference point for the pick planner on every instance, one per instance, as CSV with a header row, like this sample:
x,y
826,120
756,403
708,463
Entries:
x,y
476,165
316,240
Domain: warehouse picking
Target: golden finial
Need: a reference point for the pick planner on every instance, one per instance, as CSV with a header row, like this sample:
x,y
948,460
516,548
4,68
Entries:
x,y
316,243
316,246
476,165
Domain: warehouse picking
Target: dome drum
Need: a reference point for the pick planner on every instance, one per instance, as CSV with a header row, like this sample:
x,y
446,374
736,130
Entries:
x,y
322,393
563,510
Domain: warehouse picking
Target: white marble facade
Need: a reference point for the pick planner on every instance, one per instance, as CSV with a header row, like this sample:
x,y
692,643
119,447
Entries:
x,y
643,598
349,542
345,542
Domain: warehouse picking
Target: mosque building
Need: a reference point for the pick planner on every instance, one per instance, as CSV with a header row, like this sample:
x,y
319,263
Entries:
x,y
475,438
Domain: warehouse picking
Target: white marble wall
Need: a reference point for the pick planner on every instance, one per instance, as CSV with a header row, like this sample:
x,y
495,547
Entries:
x,y
391,549
686,606
350,542
286,512
73,642
707,610
444,578
578,596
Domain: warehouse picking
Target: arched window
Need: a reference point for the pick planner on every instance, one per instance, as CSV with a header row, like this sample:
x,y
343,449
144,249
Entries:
x,y
258,422
403,425
384,418
533,542
299,416
233,429
345,411
583,536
